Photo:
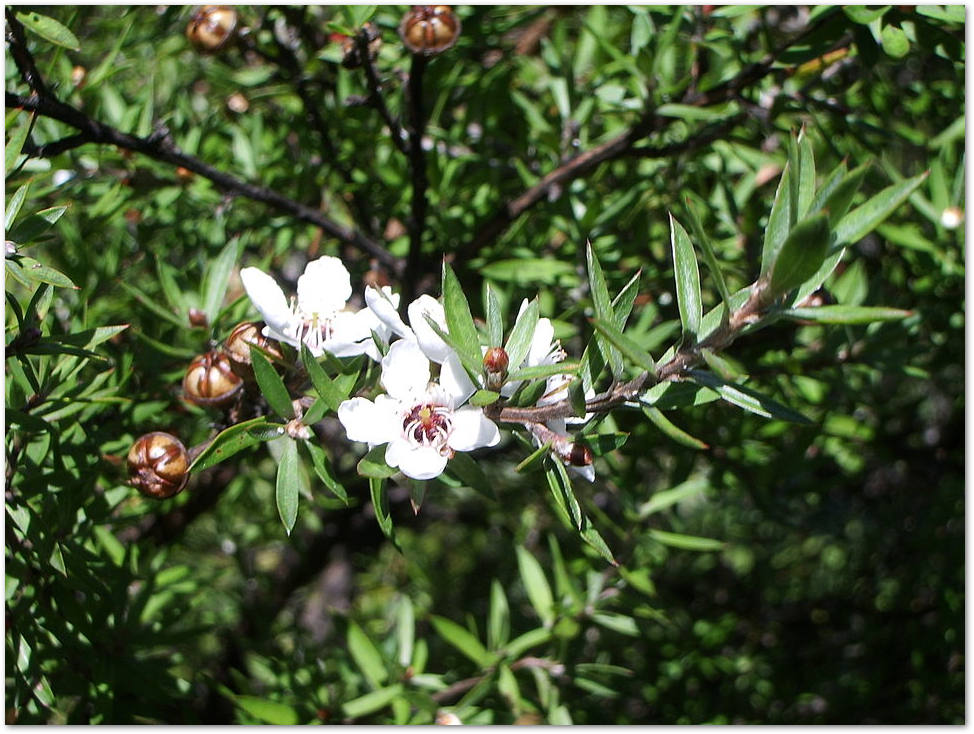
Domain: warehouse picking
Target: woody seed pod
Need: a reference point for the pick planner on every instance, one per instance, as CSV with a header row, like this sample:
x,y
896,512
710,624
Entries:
x,y
351,58
429,29
210,380
212,27
238,348
158,465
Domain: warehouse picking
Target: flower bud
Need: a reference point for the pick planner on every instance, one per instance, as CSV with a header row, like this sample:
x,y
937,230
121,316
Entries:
x,y
158,465
951,217
197,317
212,27
210,380
496,363
579,454
447,718
429,29
238,348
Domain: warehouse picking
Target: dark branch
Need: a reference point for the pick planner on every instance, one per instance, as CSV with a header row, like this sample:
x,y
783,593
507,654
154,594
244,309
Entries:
x,y
22,57
376,99
160,147
417,162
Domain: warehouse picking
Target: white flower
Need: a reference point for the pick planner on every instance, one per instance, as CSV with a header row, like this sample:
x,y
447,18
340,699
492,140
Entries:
x,y
421,422
317,316
419,330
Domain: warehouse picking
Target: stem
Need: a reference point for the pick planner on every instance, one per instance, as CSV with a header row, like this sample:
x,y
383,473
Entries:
x,y
417,161
375,92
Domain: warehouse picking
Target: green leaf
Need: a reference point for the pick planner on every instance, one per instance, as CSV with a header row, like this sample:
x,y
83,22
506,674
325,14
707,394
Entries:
x,y
617,623
270,712
687,280
231,441
806,179
499,618
748,399
895,41
708,252
484,397
459,322
325,387
666,426
271,384
15,144
366,656
632,351
530,271
35,271
516,647
216,277
405,630
669,497
536,586
864,14
846,314
836,199
374,465
463,640
779,222
14,205
380,503
865,218
319,460
685,542
495,322
544,370
519,340
289,485
50,30
603,310
801,255
371,702
561,490
472,474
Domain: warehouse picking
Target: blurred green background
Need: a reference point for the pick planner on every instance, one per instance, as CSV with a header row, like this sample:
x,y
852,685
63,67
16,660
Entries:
x,y
786,574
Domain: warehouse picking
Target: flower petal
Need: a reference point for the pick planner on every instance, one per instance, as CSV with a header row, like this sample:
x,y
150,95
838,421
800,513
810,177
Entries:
x,y
417,462
454,380
384,304
268,298
433,347
325,286
472,429
405,370
541,344
373,423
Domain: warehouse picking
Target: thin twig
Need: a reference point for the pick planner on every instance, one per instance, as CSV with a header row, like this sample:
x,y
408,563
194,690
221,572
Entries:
x,y
160,146
417,162
376,98
22,56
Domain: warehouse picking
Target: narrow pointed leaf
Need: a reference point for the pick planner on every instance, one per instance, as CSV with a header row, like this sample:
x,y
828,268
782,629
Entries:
x,y
806,183
685,542
519,340
495,323
603,309
14,147
271,384
708,252
366,656
498,621
380,502
459,322
319,460
801,255
847,314
462,640
838,200
217,277
13,207
289,480
374,465
748,399
231,441
270,712
50,30
536,586
325,387
865,218
669,429
470,473
561,490
633,352
669,497
779,222
687,277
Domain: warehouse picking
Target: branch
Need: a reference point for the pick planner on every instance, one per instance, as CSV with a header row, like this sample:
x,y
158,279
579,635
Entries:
x,y
417,161
160,146
22,57
362,39
620,146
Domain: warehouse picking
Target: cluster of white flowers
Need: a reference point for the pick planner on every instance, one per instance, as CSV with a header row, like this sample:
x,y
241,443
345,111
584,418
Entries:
x,y
421,419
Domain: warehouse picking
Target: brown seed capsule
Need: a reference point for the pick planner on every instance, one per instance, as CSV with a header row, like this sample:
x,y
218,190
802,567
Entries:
x,y
238,348
212,27
158,465
197,317
210,380
579,455
429,29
